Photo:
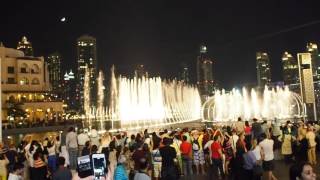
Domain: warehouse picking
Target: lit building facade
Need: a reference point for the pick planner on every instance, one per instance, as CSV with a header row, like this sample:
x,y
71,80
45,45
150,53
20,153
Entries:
x,y
312,48
54,67
69,91
25,46
263,69
86,58
205,80
25,85
290,72
184,73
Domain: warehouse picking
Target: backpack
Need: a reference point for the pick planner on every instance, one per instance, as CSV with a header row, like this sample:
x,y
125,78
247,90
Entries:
x,y
195,145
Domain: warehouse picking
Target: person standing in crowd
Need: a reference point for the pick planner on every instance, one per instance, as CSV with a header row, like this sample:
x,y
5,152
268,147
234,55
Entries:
x,y
72,147
94,137
247,131
40,169
228,152
176,145
3,164
249,161
12,156
52,159
63,173
198,155
82,139
256,129
17,172
142,172
156,160
186,154
267,148
86,150
168,153
286,139
216,155
240,125
120,172
311,137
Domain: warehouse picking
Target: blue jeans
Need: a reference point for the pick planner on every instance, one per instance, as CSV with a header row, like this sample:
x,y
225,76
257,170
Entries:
x,y
73,154
187,165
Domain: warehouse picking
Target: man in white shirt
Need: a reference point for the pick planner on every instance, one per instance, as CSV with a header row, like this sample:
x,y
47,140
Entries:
x,y
72,147
268,156
82,139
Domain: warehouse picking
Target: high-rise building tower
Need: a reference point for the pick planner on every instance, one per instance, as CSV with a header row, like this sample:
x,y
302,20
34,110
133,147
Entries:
x,y
312,48
69,91
87,58
204,73
25,46
290,70
184,73
263,69
54,67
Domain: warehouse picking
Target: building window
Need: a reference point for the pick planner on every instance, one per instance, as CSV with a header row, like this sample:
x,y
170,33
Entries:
x,y
23,70
10,70
35,69
11,81
35,81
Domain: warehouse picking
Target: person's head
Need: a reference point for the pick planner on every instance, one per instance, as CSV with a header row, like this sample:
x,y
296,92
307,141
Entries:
x,y
71,129
239,119
302,171
36,155
122,159
166,141
145,147
61,161
143,164
215,138
184,138
94,149
17,168
255,119
246,123
263,136
133,137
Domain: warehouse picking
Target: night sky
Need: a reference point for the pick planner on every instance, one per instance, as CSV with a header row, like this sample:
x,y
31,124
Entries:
x,y
162,34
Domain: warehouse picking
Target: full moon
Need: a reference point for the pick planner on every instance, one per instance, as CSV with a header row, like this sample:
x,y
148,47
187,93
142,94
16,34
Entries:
x,y
63,19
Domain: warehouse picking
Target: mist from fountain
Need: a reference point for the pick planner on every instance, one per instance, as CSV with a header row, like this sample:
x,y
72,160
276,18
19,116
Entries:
x,y
269,104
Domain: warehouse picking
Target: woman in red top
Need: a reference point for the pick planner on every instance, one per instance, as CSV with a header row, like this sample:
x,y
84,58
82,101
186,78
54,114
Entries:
x,y
186,155
217,154
247,130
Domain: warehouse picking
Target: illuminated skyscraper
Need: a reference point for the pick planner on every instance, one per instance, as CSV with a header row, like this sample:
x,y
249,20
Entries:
x,y
290,72
70,96
204,73
86,58
184,73
263,69
54,67
312,48
25,46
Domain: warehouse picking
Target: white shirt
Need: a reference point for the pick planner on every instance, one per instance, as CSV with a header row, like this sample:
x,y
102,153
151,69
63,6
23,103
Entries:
x,y
234,141
267,147
14,177
257,153
82,139
71,140
52,150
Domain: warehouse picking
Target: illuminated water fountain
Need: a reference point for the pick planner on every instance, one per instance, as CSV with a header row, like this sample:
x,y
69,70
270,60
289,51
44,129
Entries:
x,y
144,102
269,104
